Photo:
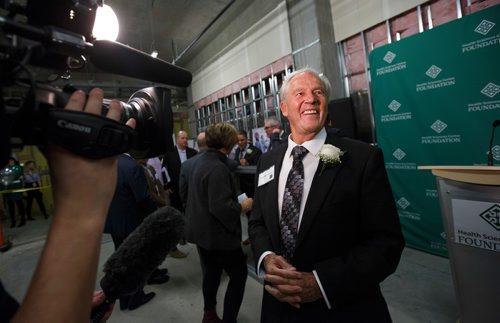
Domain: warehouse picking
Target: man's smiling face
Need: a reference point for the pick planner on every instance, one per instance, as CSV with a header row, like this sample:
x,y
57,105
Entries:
x,y
305,106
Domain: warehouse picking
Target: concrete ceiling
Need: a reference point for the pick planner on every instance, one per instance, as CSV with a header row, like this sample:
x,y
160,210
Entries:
x,y
167,26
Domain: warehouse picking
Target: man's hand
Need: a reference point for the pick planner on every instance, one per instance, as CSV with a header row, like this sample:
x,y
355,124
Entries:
x,y
287,284
281,278
243,162
246,204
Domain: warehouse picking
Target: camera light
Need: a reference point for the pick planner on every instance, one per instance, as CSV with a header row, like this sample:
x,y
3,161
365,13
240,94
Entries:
x,y
106,24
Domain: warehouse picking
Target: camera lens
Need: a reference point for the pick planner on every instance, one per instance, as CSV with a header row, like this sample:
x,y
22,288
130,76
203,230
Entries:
x,y
150,107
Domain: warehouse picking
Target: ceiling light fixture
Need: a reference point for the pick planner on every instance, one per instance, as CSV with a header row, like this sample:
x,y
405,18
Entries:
x,y
106,24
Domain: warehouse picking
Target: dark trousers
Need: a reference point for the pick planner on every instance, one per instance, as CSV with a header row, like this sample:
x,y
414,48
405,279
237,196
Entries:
x,y
37,195
233,262
12,211
127,300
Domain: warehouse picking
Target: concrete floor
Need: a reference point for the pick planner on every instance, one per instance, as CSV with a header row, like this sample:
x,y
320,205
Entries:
x,y
421,290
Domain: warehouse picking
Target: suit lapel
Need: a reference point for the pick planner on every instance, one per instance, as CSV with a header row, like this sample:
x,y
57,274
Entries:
x,y
320,187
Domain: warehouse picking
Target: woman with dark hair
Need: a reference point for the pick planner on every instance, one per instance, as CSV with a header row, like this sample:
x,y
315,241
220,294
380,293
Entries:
x,y
15,197
32,181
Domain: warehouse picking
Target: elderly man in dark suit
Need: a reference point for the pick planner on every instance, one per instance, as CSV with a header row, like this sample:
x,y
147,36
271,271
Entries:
x,y
324,226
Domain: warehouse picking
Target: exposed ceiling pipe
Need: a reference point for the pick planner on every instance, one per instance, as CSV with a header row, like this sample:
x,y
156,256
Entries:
x,y
202,32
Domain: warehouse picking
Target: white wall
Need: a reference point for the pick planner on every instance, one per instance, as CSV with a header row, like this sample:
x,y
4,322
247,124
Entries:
x,y
267,41
352,16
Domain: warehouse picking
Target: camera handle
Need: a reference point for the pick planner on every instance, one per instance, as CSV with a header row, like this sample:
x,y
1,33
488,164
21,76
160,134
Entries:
x,y
88,135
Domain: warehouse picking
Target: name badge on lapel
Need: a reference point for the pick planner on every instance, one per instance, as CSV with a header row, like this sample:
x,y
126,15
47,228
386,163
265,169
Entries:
x,y
266,176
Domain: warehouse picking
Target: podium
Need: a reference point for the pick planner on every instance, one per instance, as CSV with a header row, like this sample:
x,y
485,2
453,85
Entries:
x,y
470,206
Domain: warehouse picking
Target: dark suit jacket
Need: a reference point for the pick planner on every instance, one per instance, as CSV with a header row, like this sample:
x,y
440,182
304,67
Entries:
x,y
247,181
172,162
212,209
276,139
131,202
350,234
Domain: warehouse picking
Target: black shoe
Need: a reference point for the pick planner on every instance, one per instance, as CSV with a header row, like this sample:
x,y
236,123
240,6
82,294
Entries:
x,y
158,279
13,225
124,302
23,222
160,271
145,298
30,218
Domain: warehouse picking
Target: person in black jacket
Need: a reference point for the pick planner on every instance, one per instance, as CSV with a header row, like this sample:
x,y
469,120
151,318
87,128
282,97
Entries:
x,y
172,161
246,154
131,203
213,222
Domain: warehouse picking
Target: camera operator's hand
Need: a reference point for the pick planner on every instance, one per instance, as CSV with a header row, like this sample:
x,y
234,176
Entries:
x,y
79,179
61,288
97,299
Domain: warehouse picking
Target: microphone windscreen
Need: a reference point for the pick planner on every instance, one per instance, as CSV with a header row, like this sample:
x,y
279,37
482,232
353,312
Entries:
x,y
141,252
124,60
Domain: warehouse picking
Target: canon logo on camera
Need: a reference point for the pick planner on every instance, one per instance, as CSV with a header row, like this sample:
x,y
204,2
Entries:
x,y
73,126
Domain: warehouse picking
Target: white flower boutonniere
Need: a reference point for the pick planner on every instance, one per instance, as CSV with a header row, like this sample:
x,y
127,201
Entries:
x,y
329,155
249,151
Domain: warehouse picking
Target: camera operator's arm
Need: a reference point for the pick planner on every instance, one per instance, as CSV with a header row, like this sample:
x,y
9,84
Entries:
x,y
63,282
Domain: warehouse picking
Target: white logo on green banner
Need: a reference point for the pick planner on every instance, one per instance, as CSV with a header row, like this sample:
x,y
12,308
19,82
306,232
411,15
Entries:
x,y
399,154
389,57
433,71
484,27
394,105
403,203
431,192
495,150
490,90
438,126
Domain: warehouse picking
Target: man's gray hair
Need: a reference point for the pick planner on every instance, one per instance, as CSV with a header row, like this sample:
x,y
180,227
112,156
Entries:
x,y
289,77
273,121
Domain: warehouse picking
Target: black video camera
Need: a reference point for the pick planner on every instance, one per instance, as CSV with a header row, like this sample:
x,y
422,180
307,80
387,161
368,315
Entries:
x,y
57,35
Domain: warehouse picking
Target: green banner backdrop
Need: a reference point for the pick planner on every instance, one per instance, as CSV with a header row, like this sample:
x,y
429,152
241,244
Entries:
x,y
435,96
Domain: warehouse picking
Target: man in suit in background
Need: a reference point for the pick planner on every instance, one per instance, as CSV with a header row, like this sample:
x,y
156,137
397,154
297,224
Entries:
x,y
272,127
131,203
246,154
172,161
327,233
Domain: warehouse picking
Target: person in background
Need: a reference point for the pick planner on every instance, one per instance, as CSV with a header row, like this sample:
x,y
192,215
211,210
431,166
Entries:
x,y
201,142
32,182
213,222
246,155
157,193
61,289
15,197
324,226
172,161
276,134
130,205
